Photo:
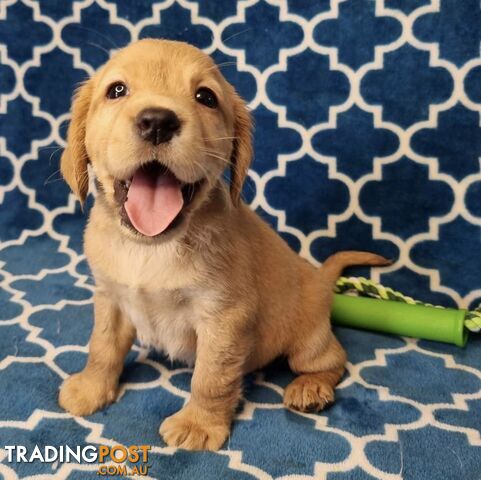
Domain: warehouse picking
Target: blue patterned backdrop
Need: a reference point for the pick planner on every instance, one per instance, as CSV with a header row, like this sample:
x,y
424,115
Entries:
x,y
367,136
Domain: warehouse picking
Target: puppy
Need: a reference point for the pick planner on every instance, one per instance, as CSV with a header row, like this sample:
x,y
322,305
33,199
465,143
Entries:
x,y
180,262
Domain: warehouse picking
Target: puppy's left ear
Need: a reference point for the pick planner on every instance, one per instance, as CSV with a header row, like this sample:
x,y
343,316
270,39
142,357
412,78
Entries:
x,y
242,152
74,158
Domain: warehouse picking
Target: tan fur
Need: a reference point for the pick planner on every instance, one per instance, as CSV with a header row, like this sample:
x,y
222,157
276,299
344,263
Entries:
x,y
74,159
222,290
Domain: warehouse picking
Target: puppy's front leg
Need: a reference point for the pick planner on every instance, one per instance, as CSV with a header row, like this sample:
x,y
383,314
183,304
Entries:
x,y
204,422
96,386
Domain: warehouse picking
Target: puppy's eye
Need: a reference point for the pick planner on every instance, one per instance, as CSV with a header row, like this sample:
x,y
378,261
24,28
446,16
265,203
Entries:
x,y
116,90
206,97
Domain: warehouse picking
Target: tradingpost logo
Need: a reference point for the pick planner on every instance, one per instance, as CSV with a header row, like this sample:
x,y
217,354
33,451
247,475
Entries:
x,y
112,459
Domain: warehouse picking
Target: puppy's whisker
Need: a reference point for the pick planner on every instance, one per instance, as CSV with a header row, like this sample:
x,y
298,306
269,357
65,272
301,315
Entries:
x,y
53,153
202,167
226,64
221,65
212,154
233,166
52,181
99,47
209,150
236,34
48,181
57,147
228,163
96,32
246,185
223,160
219,138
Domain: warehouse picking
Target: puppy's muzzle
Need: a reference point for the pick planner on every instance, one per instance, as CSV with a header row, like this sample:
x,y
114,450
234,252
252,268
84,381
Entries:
x,y
157,125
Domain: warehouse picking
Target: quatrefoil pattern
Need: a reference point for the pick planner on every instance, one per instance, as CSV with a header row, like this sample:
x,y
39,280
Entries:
x,y
367,137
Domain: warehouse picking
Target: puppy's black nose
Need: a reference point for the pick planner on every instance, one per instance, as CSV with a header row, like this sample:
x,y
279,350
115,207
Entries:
x,y
157,125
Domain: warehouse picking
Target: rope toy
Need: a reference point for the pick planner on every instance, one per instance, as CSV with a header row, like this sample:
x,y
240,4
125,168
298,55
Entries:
x,y
401,314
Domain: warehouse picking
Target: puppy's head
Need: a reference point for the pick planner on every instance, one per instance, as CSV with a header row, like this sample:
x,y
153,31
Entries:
x,y
158,124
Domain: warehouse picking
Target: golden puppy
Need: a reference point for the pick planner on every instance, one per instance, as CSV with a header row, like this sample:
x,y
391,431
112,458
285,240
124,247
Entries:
x,y
179,261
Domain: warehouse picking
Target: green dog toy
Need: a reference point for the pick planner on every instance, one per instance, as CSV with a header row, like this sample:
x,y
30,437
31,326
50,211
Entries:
x,y
399,314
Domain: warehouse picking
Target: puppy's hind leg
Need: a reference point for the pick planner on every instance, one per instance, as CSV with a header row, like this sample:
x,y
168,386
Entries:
x,y
320,369
316,355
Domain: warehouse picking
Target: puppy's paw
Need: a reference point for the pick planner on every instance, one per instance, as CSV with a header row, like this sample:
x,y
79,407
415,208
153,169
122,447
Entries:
x,y
307,394
192,429
83,395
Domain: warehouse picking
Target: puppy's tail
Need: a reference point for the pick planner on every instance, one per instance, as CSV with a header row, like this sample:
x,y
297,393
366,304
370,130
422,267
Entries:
x,y
333,266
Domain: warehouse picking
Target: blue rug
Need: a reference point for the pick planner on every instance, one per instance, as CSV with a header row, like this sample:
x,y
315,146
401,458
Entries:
x,y
368,137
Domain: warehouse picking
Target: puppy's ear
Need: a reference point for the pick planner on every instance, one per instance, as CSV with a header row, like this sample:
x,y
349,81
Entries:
x,y
73,163
242,151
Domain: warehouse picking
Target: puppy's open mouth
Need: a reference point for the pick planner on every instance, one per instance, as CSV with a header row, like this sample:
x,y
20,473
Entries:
x,y
153,200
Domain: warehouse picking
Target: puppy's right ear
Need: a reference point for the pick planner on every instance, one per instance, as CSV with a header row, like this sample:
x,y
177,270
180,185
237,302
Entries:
x,y
73,163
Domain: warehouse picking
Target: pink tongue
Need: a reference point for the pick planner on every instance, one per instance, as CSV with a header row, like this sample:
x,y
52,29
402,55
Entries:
x,y
153,202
